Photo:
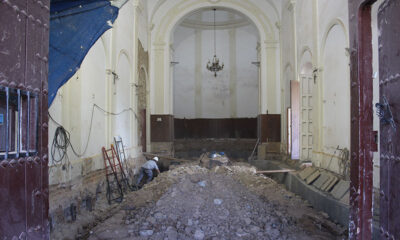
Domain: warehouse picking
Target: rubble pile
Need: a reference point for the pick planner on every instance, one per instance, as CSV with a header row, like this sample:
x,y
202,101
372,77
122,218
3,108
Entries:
x,y
226,202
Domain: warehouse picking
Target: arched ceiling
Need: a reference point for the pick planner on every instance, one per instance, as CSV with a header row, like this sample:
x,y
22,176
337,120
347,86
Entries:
x,y
225,18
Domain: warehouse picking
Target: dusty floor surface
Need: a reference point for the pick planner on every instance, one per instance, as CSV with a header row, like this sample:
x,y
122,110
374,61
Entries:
x,y
191,202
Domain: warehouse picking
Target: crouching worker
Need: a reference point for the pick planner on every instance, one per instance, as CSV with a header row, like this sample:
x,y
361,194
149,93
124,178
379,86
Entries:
x,y
147,169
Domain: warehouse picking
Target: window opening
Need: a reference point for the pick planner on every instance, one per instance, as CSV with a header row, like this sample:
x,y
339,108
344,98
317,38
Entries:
x,y
18,123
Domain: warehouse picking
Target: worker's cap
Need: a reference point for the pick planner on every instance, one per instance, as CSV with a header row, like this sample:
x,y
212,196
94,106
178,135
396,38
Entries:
x,y
155,159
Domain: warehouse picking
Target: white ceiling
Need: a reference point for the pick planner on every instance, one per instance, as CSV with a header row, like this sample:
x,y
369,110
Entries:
x,y
225,18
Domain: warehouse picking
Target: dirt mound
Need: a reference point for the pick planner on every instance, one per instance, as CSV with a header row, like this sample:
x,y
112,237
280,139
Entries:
x,y
227,202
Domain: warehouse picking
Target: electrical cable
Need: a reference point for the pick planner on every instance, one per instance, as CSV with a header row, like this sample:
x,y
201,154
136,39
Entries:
x,y
62,140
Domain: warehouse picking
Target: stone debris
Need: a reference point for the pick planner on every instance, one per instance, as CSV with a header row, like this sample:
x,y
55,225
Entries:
x,y
146,233
217,201
210,160
226,202
202,183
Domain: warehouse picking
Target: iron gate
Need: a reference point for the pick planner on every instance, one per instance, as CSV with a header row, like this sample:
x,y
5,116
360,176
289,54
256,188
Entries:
x,y
24,188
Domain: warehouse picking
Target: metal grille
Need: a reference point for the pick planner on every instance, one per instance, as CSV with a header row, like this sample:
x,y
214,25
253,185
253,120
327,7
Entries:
x,y
18,123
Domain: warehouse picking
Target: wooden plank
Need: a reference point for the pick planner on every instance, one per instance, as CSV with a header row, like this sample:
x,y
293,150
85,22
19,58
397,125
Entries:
x,y
277,171
166,157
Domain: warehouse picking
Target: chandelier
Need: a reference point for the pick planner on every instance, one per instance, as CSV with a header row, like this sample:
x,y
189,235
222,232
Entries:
x,y
214,65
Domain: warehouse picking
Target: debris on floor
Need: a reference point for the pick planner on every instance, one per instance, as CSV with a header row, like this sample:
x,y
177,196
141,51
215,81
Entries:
x,y
225,202
210,160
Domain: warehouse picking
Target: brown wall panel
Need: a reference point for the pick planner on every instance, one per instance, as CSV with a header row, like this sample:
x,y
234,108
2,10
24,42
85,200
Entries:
x,y
162,128
216,128
269,127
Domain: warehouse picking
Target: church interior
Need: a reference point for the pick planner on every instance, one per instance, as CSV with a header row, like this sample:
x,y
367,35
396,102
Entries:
x,y
267,119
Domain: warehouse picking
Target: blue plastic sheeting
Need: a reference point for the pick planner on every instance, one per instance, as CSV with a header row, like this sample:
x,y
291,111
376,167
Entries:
x,y
74,27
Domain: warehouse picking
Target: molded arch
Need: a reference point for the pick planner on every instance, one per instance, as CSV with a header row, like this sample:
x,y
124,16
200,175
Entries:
x,y
288,67
331,25
146,75
306,66
125,53
106,50
161,2
171,19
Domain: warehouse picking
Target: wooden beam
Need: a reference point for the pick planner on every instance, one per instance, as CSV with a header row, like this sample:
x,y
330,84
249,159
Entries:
x,y
166,157
277,171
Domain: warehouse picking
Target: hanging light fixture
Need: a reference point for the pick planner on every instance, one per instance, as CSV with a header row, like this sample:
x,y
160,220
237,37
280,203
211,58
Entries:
x,y
214,65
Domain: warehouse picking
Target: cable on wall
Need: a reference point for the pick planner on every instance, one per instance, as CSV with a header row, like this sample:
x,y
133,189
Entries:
x,y
62,140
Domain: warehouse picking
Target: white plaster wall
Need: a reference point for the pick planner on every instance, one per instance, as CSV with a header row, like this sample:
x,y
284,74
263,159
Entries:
x,y
336,94
310,39
93,84
184,91
305,27
288,42
122,100
247,73
234,92
142,25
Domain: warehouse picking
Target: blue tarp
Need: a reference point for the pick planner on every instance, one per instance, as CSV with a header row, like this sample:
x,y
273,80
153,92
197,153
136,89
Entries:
x,y
75,25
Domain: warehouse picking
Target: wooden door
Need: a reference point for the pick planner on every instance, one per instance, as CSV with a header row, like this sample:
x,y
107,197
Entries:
x,y
306,139
295,117
389,89
23,102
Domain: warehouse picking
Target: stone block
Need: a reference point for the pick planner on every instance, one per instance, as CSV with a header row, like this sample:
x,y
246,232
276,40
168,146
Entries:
x,y
346,198
329,184
313,177
306,173
262,151
340,189
321,180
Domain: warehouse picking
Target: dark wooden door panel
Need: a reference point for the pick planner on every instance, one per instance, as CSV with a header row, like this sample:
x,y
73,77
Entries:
x,y
12,44
12,202
389,73
24,41
361,169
